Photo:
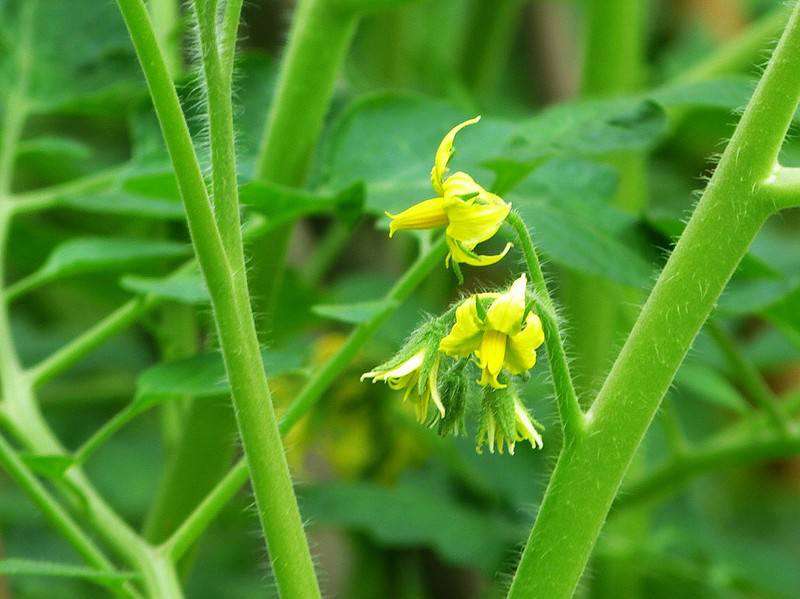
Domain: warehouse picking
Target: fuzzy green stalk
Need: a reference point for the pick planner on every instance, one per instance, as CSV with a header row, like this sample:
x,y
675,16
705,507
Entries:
x,y
727,218
269,471
572,418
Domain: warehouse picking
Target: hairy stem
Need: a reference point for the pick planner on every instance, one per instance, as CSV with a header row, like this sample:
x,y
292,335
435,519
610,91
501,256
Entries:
x,y
277,504
719,233
569,409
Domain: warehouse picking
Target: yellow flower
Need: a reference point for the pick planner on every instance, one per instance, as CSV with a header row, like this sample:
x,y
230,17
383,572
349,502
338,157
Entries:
x,y
499,338
406,375
470,213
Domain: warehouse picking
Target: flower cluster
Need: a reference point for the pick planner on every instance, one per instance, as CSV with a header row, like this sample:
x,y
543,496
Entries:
x,y
472,352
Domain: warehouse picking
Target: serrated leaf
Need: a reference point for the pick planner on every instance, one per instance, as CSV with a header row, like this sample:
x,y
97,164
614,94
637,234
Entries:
x,y
354,313
185,287
27,567
204,375
707,384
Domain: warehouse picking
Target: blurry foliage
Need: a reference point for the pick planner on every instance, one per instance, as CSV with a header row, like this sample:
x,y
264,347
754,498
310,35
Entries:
x,y
388,486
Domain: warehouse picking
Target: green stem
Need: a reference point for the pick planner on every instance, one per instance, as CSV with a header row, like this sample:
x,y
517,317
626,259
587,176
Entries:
x,y
59,518
749,377
51,197
311,393
230,31
710,457
719,233
572,418
166,17
269,471
16,108
782,190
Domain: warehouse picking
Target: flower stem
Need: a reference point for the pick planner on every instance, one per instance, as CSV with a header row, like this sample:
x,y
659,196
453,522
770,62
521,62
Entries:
x,y
269,471
572,418
719,233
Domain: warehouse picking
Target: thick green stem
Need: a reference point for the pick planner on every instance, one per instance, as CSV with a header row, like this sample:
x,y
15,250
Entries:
x,y
572,418
311,393
269,472
727,218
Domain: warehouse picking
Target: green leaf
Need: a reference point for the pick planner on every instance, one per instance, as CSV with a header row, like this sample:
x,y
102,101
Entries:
x,y
726,93
566,205
184,287
709,385
125,204
26,567
354,313
51,465
412,515
282,204
86,67
204,375
95,254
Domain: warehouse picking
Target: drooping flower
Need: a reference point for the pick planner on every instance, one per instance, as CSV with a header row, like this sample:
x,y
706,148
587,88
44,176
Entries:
x,y
470,214
498,337
415,369
505,421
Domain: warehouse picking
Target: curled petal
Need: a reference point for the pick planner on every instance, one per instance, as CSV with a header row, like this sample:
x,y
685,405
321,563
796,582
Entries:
x,y
434,389
427,214
463,254
465,336
491,356
526,431
505,313
398,372
521,352
443,154
476,219
460,184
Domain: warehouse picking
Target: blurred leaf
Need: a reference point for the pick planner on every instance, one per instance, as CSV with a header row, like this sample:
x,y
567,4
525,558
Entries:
x,y
50,466
785,314
727,93
26,567
355,313
575,226
282,204
52,150
86,67
707,384
204,375
184,287
388,141
125,204
88,255
410,515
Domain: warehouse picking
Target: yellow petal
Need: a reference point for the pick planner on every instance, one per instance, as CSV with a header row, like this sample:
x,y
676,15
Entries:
x,y
521,351
464,254
460,184
428,214
401,370
465,336
525,429
491,356
476,219
444,153
434,389
505,313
